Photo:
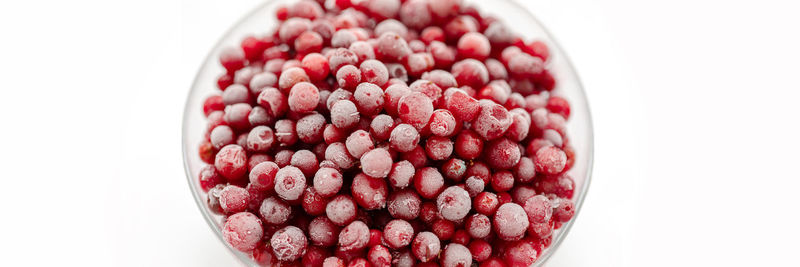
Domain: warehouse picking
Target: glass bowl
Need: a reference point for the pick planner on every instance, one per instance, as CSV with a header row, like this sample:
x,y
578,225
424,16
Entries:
x,y
262,19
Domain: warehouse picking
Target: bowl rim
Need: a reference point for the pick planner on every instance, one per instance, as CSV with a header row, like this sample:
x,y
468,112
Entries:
x,y
242,258
580,198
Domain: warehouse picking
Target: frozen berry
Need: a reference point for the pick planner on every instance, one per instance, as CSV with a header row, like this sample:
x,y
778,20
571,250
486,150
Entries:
x,y
289,243
454,203
242,231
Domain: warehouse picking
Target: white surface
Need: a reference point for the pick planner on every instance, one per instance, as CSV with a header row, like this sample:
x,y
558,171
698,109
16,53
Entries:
x,y
694,105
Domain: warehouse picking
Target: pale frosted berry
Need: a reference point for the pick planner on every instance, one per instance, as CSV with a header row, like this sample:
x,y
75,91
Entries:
x,y
510,222
242,231
341,210
470,72
273,101
415,109
233,199
290,183
323,232
348,77
221,136
290,77
368,98
474,185
398,233
260,139
285,132
274,211
564,211
344,114
415,14
259,117
525,66
438,148
493,121
456,255
306,161
284,157
328,181
235,93
232,59
379,256
539,209
401,174
358,143
522,193
381,127
236,116
231,162
418,63
376,163
341,57
208,177
485,203
337,153
333,262
354,236
429,182
429,89
443,55
442,123
550,160
263,175
374,71
474,45
308,42
313,204
502,153
392,47
289,243
369,193
309,128
303,97
520,254
392,96
478,226
426,246
404,138
363,50
454,203
404,204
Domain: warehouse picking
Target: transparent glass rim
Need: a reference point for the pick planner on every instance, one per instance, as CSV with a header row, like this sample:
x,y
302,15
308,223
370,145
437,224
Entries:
x,y
246,260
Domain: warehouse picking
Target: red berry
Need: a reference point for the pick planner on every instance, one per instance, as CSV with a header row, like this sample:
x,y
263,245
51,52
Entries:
x,y
426,246
242,231
289,243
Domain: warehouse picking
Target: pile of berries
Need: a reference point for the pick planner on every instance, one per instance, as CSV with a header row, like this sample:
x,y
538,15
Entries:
x,y
388,133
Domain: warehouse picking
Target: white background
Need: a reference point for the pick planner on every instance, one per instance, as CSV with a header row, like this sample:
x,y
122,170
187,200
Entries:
x,y
696,127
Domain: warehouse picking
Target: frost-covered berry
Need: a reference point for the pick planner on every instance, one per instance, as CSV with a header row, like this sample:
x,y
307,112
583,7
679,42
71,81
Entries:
x,y
510,222
376,163
242,231
454,203
290,183
426,246
353,237
398,233
456,255
289,243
